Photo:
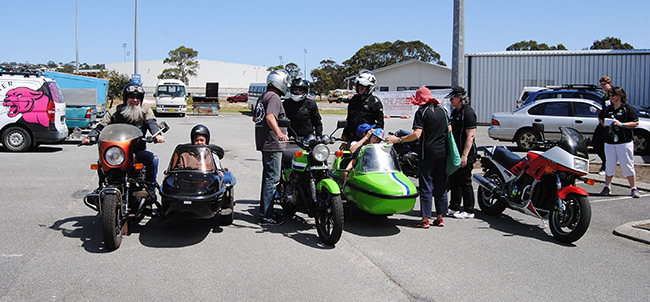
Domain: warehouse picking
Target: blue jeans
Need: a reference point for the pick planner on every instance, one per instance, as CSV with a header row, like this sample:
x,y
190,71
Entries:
x,y
433,185
272,165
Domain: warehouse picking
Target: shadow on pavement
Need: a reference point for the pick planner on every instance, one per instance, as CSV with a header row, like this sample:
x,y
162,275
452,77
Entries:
x,y
513,227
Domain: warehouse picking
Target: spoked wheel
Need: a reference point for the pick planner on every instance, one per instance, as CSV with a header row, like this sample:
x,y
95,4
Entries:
x,y
487,201
571,224
229,204
112,222
329,217
16,139
286,191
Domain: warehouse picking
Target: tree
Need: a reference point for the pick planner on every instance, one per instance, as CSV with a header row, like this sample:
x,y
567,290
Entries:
x,y
293,70
272,68
116,81
328,77
610,43
184,60
380,55
532,45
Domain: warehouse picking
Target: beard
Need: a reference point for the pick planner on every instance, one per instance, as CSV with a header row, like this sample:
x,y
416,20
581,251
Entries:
x,y
133,113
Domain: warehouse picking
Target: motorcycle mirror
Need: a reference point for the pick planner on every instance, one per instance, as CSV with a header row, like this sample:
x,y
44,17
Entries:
x,y
284,123
163,125
341,124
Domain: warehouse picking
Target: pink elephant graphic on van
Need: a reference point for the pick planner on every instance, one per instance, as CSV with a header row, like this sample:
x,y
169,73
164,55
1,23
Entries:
x,y
32,104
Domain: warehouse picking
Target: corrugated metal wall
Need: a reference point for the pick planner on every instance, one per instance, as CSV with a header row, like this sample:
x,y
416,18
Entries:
x,y
495,80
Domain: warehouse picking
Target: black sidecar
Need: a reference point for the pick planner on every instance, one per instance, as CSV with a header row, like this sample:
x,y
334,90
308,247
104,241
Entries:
x,y
193,187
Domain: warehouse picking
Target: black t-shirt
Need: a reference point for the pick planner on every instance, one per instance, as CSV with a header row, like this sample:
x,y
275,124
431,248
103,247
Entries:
x,y
462,120
304,117
433,122
370,111
625,113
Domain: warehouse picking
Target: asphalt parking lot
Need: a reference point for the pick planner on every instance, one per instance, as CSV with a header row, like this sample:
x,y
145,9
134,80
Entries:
x,y
51,249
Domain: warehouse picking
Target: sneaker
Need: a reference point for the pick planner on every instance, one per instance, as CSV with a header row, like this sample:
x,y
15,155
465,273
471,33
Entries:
x,y
635,193
421,224
605,191
451,213
438,223
601,172
270,221
464,215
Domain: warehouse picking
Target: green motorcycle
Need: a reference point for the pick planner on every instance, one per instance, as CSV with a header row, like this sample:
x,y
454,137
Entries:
x,y
306,184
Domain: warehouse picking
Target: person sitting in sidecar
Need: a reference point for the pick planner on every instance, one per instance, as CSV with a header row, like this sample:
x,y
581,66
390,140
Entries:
x,y
370,135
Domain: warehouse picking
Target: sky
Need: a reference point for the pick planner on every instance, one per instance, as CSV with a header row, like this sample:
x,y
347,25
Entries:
x,y
270,33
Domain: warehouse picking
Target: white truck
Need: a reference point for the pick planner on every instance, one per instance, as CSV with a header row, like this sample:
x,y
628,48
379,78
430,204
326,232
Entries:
x,y
171,97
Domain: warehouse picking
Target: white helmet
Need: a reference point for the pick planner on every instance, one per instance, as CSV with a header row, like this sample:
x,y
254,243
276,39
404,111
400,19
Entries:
x,y
279,79
366,78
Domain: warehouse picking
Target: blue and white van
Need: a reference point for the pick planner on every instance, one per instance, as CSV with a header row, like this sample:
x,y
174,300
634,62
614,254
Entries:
x,y
32,111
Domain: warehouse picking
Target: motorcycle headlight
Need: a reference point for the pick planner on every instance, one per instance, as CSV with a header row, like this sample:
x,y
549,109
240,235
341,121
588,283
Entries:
x,y
581,164
320,153
114,156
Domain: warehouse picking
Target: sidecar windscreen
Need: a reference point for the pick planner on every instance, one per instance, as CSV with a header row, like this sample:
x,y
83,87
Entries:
x,y
192,158
378,158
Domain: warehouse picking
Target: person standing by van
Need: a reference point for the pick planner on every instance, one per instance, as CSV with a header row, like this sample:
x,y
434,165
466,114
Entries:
x,y
364,107
268,135
302,111
598,139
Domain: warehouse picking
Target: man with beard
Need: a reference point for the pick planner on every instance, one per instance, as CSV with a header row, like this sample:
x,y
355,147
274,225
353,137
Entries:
x,y
132,112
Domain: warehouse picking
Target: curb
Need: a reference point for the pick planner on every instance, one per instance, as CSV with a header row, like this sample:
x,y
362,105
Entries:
x,y
629,231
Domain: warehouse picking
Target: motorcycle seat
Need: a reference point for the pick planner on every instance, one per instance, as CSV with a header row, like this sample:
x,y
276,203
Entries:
x,y
506,157
287,155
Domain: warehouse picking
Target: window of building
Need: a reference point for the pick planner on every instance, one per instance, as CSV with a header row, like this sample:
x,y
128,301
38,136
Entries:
x,y
401,88
383,88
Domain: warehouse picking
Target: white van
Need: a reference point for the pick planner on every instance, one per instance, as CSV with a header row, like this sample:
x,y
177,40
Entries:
x,y
171,97
255,90
32,111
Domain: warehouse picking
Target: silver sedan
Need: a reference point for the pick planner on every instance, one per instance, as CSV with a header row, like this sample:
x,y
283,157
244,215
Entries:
x,y
580,114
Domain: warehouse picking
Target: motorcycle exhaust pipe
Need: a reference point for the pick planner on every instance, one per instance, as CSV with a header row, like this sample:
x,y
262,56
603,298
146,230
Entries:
x,y
485,183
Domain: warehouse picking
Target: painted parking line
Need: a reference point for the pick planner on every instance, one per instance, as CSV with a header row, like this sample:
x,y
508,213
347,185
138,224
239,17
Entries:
x,y
611,198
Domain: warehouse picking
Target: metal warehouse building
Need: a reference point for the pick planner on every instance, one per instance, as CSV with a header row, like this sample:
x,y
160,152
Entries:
x,y
495,80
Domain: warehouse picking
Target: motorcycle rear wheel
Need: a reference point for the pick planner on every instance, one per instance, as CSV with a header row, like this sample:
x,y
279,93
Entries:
x,y
112,222
329,217
573,223
487,201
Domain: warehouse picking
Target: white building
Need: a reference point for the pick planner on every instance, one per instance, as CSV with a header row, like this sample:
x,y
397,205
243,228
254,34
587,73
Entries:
x,y
411,75
232,77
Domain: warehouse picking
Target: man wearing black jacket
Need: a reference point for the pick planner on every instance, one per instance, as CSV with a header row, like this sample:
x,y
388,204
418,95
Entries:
x,y
363,107
302,111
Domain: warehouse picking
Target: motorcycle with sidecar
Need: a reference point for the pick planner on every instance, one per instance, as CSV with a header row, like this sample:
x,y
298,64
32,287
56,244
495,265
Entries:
x,y
193,186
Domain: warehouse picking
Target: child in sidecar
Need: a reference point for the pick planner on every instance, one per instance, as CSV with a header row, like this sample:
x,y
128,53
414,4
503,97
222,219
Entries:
x,y
195,184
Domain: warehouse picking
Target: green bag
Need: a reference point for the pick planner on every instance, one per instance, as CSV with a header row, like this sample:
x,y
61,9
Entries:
x,y
453,157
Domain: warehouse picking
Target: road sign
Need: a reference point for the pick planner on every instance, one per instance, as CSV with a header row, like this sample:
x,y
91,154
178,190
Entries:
x,y
136,78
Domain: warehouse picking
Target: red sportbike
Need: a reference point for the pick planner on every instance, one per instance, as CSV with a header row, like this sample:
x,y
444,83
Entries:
x,y
541,184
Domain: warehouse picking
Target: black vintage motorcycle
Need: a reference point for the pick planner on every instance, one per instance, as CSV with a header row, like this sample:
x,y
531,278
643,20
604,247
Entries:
x,y
407,154
123,196
306,184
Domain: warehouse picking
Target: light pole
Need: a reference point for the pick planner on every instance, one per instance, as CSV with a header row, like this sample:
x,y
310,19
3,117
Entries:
x,y
76,33
135,44
124,47
305,64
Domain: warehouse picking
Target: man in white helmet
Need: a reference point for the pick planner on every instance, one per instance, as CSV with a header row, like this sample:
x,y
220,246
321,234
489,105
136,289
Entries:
x,y
268,135
363,107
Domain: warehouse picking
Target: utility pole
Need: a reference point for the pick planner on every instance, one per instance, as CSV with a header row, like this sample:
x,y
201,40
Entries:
x,y
458,48
135,43
124,47
76,34
305,64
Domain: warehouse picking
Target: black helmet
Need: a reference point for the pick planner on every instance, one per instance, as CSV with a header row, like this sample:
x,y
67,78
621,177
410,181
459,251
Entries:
x,y
299,83
133,90
200,130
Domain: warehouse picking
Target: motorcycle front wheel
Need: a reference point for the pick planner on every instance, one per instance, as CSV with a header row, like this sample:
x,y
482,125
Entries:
x,y
112,222
329,217
487,201
571,224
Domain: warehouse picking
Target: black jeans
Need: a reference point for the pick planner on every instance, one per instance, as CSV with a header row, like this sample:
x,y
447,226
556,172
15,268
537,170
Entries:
x,y
598,143
460,185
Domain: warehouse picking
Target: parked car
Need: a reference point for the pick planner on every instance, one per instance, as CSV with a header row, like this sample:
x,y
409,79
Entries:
x,y
240,97
32,111
532,94
580,114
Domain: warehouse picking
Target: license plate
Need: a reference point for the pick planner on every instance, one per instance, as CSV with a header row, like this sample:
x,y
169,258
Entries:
x,y
172,110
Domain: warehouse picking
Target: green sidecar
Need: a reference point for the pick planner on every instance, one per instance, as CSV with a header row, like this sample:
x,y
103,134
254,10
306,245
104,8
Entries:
x,y
375,184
